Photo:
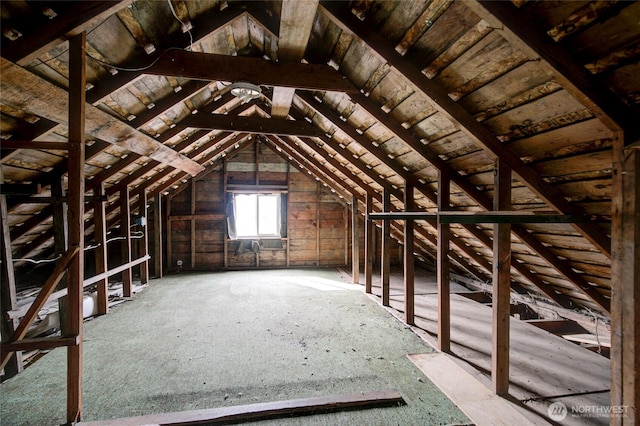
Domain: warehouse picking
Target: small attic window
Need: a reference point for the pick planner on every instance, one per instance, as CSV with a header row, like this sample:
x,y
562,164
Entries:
x,y
257,215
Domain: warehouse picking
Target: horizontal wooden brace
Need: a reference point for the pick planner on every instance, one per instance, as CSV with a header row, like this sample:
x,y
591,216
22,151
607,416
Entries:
x,y
255,125
482,217
53,200
20,188
17,313
211,216
38,343
16,144
255,189
209,66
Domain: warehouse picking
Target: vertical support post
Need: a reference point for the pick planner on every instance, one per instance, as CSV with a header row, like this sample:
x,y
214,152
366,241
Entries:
x,y
287,219
144,241
385,261
100,237
157,235
501,282
193,223
444,290
355,250
225,237
318,188
625,276
75,271
346,234
60,224
125,225
409,270
369,247
8,289
169,250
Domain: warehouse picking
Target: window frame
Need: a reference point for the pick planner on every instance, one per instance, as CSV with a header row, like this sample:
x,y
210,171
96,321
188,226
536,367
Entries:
x,y
259,236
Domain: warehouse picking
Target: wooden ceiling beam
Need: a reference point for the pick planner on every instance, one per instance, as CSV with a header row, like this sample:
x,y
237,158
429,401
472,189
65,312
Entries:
x,y
296,21
474,230
205,25
468,124
28,92
521,31
254,125
210,66
78,17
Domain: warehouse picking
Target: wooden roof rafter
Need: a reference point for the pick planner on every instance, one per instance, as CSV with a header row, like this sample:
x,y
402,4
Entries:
x,y
456,113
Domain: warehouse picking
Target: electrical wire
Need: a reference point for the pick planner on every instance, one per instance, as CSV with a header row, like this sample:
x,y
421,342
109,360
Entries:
x,y
37,262
173,11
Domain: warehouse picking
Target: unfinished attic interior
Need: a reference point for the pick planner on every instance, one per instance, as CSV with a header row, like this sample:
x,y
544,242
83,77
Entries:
x,y
471,166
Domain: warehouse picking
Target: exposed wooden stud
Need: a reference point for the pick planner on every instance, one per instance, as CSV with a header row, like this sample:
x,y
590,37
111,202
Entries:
x,y
60,219
369,246
501,283
76,189
101,252
225,235
192,248
625,292
157,236
443,266
125,228
318,190
39,343
355,241
169,239
144,241
408,261
385,259
209,66
8,299
288,252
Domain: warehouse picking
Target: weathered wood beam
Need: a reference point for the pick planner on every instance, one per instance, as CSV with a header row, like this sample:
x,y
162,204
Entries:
x,y
522,32
101,252
442,268
8,299
125,251
38,343
114,271
20,189
374,109
266,410
41,298
468,124
77,120
204,26
77,17
253,124
144,241
28,92
625,292
408,260
501,283
296,21
209,66
355,241
157,236
16,144
369,247
385,256
473,217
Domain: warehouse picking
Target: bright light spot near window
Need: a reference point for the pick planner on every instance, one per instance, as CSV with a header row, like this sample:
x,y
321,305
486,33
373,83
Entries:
x,y
257,215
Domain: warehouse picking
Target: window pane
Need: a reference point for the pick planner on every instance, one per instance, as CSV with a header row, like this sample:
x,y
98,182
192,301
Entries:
x,y
246,215
268,220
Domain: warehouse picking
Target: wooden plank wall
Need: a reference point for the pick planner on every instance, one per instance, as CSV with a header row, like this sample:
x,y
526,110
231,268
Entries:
x,y
318,223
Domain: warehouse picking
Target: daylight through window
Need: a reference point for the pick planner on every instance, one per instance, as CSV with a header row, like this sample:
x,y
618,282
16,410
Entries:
x,y
257,215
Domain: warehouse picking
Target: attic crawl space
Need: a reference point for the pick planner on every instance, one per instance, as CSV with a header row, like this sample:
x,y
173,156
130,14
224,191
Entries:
x,y
493,144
